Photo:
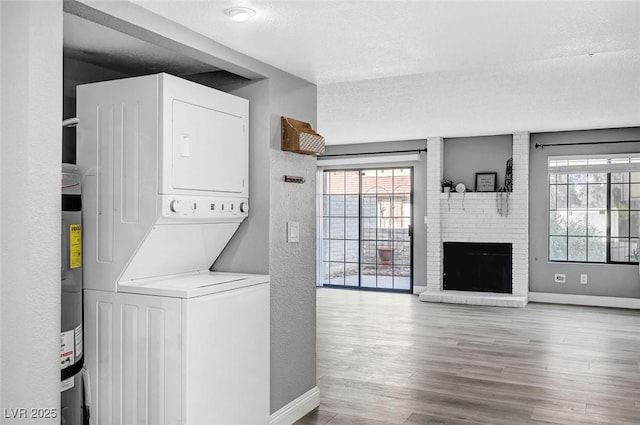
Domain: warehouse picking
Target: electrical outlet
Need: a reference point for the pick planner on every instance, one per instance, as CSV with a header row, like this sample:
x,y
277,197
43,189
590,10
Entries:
x,y
583,279
560,278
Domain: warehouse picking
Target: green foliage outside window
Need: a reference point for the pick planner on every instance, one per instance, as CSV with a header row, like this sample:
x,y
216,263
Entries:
x,y
594,217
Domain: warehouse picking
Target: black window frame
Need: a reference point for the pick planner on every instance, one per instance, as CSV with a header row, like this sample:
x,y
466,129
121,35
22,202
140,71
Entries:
x,y
326,236
608,237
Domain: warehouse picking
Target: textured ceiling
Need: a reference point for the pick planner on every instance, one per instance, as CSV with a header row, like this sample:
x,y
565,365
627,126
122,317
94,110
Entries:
x,y
110,49
336,41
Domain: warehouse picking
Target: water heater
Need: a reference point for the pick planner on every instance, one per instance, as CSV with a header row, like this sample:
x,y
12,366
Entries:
x,y
71,336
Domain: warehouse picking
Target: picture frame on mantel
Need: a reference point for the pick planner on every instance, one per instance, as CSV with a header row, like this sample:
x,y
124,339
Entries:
x,y
486,181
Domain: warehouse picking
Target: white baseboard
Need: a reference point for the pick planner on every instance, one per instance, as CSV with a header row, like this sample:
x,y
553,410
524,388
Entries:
x,y
296,409
591,300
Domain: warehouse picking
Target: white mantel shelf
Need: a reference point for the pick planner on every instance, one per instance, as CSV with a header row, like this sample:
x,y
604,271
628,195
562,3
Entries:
x,y
469,195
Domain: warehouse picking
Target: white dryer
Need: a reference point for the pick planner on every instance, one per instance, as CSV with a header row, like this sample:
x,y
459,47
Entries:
x,y
165,187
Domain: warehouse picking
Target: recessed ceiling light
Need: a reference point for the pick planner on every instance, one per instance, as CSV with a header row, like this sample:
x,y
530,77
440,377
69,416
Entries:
x,y
240,14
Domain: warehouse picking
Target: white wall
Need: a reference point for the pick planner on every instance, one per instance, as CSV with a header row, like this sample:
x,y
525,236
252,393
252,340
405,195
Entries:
x,y
30,218
560,94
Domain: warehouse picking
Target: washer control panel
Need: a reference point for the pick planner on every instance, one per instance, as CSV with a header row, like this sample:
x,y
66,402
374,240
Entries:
x,y
204,207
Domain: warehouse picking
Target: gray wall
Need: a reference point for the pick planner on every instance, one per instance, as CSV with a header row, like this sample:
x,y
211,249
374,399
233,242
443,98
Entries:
x,y
614,280
260,244
248,250
292,265
466,156
419,193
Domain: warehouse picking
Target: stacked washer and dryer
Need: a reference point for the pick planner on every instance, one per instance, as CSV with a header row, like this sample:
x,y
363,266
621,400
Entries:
x,y
165,187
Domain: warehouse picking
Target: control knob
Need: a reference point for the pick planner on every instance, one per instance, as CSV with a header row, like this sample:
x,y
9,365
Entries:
x,y
175,206
244,207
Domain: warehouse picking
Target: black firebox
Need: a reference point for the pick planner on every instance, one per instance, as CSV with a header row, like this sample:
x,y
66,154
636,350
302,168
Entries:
x,y
479,267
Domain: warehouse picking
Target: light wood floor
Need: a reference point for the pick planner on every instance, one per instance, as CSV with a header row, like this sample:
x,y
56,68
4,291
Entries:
x,y
390,359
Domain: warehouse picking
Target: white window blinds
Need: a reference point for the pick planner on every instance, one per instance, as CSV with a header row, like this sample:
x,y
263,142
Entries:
x,y
612,163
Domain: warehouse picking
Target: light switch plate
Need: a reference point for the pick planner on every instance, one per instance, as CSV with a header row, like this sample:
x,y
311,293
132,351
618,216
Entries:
x,y
293,231
560,278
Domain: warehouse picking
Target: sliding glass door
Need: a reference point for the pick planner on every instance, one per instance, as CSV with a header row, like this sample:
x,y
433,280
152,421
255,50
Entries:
x,y
367,218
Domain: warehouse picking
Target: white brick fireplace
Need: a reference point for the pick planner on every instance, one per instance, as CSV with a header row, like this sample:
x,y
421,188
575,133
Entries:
x,y
473,217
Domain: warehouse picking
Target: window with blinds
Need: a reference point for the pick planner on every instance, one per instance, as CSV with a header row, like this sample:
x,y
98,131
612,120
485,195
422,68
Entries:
x,y
594,209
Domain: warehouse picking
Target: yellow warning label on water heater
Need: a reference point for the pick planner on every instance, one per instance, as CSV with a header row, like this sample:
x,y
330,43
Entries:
x,y
75,246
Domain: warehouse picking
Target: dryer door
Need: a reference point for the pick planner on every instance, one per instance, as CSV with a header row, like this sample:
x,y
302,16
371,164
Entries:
x,y
209,149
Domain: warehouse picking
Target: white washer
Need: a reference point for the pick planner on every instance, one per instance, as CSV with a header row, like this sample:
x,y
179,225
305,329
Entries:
x,y
184,350
165,187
